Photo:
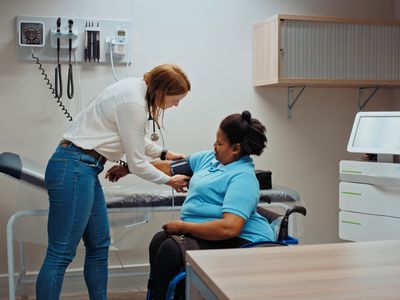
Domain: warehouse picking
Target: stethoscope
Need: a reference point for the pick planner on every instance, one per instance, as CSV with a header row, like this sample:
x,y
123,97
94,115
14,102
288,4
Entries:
x,y
154,136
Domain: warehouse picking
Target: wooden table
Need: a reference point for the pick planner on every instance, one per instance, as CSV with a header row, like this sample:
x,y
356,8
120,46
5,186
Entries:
x,y
361,270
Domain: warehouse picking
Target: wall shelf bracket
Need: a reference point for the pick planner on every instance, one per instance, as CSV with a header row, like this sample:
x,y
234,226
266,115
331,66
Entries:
x,y
361,90
292,98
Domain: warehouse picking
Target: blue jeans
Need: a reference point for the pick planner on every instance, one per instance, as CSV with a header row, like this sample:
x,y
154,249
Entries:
x,y
77,210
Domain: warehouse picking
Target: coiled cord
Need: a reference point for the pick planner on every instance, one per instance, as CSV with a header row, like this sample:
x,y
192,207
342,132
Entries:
x,y
51,88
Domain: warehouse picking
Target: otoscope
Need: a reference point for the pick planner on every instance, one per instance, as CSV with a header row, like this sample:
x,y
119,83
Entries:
x,y
70,84
58,80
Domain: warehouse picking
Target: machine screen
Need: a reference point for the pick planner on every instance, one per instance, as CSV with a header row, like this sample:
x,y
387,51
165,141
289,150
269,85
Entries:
x,y
376,132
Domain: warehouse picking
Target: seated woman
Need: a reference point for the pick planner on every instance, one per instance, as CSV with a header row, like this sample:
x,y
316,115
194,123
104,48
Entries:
x,y
220,208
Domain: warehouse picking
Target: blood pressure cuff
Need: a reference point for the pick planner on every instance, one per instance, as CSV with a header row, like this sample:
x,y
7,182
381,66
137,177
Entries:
x,y
181,166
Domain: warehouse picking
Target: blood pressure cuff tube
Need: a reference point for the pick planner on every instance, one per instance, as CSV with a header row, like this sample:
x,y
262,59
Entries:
x,y
181,166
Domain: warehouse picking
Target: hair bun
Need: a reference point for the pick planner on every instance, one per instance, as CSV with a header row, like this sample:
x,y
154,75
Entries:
x,y
246,115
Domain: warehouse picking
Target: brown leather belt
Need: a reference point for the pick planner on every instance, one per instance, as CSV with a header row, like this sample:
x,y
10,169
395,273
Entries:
x,y
100,158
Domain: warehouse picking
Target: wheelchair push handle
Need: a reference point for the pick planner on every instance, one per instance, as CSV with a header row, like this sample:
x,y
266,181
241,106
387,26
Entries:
x,y
296,209
283,232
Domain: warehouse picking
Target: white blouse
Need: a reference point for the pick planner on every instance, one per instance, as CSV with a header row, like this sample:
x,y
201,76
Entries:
x,y
116,122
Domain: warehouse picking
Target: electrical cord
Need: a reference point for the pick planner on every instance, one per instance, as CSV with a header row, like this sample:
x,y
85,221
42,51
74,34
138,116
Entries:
x,y
77,72
50,86
128,61
112,63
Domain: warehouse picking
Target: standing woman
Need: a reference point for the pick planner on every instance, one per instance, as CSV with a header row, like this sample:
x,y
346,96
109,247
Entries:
x,y
113,124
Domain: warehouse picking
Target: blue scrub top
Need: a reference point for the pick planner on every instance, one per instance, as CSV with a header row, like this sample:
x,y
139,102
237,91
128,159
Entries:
x,y
215,189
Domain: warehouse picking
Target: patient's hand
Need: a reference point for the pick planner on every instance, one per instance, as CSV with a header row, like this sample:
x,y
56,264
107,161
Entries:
x,y
163,165
173,227
116,172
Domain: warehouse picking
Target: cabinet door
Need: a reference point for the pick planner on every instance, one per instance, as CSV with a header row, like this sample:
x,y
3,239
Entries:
x,y
293,50
340,51
265,52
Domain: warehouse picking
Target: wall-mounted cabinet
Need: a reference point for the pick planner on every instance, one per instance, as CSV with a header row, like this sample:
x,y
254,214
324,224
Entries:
x,y
326,51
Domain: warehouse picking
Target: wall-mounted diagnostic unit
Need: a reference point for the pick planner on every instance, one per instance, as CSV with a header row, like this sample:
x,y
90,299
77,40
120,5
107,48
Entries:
x,y
120,41
67,41
369,191
88,37
31,33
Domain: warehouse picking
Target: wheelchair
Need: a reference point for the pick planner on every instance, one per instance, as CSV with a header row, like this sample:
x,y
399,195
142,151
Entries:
x,y
280,225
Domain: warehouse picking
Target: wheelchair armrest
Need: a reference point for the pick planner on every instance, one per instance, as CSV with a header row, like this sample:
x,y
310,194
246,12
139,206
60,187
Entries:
x,y
263,244
268,214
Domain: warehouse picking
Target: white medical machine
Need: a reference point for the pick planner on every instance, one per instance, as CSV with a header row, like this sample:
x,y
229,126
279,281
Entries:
x,y
369,191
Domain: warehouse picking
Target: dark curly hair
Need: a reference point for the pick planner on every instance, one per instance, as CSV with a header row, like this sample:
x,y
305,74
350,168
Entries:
x,y
245,130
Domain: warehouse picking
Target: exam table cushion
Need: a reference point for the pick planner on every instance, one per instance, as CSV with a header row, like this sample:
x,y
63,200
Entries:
x,y
120,196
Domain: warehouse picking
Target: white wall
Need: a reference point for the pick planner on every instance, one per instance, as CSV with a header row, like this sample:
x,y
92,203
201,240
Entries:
x,y
397,91
212,41
397,9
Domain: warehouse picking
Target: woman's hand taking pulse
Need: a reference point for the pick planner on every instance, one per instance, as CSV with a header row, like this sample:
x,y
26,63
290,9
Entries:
x,y
178,182
117,172
174,156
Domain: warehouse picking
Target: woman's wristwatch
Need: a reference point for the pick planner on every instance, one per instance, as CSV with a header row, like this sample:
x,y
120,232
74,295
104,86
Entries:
x,y
163,154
